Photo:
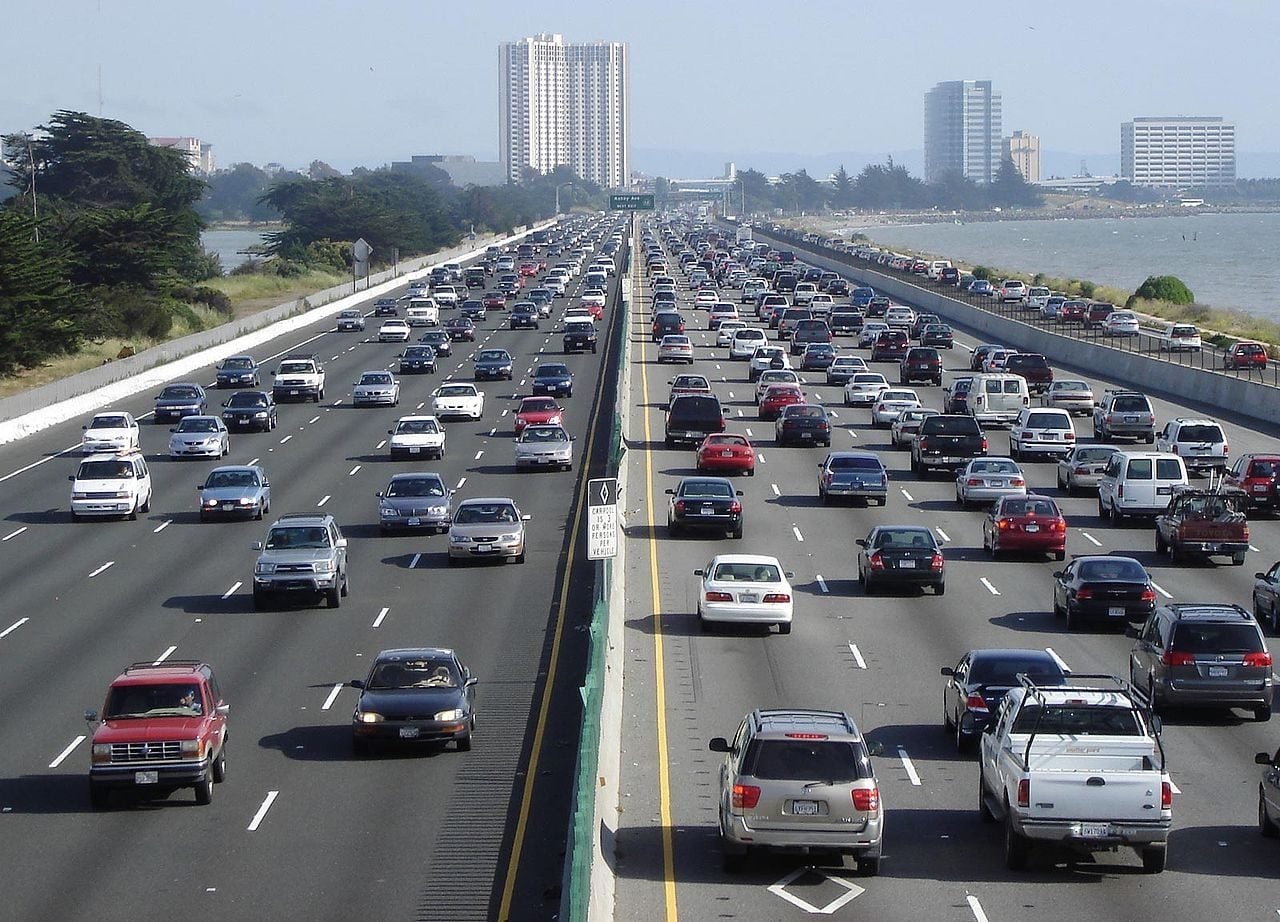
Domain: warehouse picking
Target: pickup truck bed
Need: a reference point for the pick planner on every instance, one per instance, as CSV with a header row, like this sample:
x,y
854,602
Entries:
x,y
1205,523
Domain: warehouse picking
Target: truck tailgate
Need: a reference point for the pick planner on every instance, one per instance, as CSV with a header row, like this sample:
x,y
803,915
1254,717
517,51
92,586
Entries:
x,y
1114,796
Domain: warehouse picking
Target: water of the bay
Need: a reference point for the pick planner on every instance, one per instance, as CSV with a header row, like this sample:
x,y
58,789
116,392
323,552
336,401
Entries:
x,y
1227,260
229,243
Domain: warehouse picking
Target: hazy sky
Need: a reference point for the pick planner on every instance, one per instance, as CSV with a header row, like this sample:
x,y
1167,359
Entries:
x,y
363,82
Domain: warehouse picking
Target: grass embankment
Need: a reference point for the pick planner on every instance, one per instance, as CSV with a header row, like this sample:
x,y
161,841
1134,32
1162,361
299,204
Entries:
x,y
249,294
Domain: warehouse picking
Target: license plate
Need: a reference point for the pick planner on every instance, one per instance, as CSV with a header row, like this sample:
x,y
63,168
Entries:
x,y
415,521
1259,488
484,547
146,777
1131,419
408,733
1095,830
906,564
806,435
995,483
293,393
1115,611
726,454
414,449
1033,528
706,510
750,597
804,807
1217,672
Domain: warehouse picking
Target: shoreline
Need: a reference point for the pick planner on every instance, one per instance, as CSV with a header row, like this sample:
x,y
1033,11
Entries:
x,y
858,222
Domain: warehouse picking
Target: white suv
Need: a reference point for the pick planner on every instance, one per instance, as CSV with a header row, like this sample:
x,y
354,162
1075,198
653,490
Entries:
x,y
111,485
1040,430
1013,290
1200,443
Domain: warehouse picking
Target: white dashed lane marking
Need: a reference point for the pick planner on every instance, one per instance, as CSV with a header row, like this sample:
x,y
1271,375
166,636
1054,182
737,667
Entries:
x,y
857,656
333,695
942,534
909,767
822,583
990,588
13,627
324,499
262,811
232,591
353,471
1160,589
14,534
377,622
799,537
776,491
66,752
164,656
102,569
1089,537
909,497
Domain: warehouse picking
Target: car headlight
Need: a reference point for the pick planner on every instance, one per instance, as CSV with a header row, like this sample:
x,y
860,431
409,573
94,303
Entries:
x,y
388,511
438,510
459,539
79,495
209,501
369,717
261,414
247,501
514,536
193,749
123,494
455,714
101,752
324,566
264,568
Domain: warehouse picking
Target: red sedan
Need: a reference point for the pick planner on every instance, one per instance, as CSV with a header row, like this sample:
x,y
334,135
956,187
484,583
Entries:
x,y
726,453
528,270
495,301
1028,523
777,397
596,309
1245,355
538,411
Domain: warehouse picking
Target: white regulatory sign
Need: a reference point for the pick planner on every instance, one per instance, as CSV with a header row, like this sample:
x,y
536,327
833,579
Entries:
x,y
602,518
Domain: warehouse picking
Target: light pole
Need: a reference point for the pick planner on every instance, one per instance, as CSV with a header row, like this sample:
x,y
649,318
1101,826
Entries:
x,y
558,188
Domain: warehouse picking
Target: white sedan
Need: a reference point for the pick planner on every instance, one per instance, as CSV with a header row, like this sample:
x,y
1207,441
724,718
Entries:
x,y
416,436
116,431
891,403
744,589
724,332
394,331
705,300
864,389
1121,323
458,400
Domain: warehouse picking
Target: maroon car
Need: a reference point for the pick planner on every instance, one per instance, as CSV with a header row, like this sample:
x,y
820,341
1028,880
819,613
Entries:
x,y
1028,524
1245,355
778,397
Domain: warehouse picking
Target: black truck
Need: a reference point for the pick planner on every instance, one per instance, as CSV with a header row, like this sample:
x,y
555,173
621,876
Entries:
x,y
947,441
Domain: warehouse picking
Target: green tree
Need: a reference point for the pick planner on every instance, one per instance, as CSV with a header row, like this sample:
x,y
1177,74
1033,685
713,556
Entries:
x,y
1009,189
42,314
842,191
233,195
1162,288
889,185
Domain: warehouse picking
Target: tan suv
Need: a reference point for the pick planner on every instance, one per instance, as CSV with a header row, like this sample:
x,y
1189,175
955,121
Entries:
x,y
799,781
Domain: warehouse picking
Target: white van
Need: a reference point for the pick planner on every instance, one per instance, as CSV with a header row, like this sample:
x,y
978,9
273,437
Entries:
x,y
1139,483
998,397
422,312
934,272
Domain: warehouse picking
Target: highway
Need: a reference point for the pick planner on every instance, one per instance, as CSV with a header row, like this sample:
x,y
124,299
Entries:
x,y
301,828
879,659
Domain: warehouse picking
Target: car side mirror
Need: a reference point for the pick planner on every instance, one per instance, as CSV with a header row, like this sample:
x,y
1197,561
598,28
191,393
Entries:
x,y
378,494
357,683
1262,758
526,517
668,492
861,542
72,478
342,543
699,572
739,493
1259,576
875,747
470,681
223,709
719,744
947,670
92,716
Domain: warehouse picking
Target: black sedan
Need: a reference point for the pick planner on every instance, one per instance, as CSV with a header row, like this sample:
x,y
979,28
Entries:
x,y
704,504
977,684
493,365
250,410
438,340
461,328
1103,588
386,307
417,360
937,334
803,423
552,379
524,315
414,695
473,309
901,555
238,371
179,400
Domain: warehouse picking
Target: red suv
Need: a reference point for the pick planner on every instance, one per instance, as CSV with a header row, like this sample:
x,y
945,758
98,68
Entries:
x,y
163,727
1245,355
1256,476
890,346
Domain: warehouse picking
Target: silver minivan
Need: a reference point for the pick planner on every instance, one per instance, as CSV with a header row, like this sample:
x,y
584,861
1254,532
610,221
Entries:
x,y
1139,483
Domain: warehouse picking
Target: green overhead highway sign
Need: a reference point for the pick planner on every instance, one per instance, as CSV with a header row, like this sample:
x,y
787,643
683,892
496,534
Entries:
x,y
630,201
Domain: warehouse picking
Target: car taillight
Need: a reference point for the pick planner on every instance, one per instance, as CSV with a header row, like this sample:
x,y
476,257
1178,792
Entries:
x,y
1257,659
1069,436
1174,449
866,799
875,561
976,703
1080,470
936,562
984,443
924,443
1119,491
1166,795
718,597
679,505
1084,593
1177,658
974,481
1226,448
778,597
1024,792
735,506
745,796
1059,525
1003,524
1017,482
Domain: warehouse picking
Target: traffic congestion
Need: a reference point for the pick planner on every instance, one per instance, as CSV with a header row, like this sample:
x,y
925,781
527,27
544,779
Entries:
x,y
1068,552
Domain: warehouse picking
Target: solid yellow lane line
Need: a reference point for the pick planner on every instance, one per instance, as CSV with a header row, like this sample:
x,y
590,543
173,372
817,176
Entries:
x,y
660,681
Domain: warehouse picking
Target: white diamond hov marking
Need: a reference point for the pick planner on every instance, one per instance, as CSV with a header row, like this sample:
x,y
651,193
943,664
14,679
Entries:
x,y
779,889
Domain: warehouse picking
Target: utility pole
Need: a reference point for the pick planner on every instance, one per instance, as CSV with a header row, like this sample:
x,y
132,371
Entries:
x,y
31,161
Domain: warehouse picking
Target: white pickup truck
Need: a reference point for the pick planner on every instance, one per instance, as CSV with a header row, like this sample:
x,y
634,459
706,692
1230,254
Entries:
x,y
1078,766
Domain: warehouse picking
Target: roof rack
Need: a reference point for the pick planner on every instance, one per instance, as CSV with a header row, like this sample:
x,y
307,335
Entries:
x,y
301,515
166,664
1140,704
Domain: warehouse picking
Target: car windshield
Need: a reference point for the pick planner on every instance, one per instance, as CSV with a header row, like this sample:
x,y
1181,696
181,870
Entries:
x,y
717,440
1075,386
1028,507
295,368
806,412
869,379
179,393
247,399
1077,720
297,536
1112,569
1131,405
237,364
831,761
493,355
853,463
993,466
375,378
687,381
710,488
423,673
481,513
351,314
197,424
552,371
108,422
104,470
232,479
905,537
544,434
173,699
416,426
1049,421
1004,670
415,486
457,390
538,405
419,352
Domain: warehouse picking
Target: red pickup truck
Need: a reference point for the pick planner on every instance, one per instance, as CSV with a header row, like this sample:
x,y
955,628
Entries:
x,y
1205,523
163,727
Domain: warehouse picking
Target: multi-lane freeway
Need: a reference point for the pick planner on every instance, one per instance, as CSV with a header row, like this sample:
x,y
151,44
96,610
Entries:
x,y
879,659
301,828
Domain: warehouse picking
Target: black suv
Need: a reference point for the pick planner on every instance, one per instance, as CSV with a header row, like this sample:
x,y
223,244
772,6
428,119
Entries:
x,y
1203,655
692,417
524,314
921,363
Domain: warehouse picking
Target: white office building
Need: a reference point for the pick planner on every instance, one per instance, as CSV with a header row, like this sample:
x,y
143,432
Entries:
x,y
565,105
962,131
1182,152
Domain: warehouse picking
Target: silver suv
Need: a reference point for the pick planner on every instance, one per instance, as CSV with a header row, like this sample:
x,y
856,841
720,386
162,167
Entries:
x,y
799,781
304,555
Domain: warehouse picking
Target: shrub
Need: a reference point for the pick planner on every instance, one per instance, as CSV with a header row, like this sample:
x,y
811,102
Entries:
x,y
981,272
1087,288
1162,288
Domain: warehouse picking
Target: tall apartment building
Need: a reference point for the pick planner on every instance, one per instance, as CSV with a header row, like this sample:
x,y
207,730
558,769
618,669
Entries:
x,y
199,154
1024,150
565,105
1178,153
962,130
